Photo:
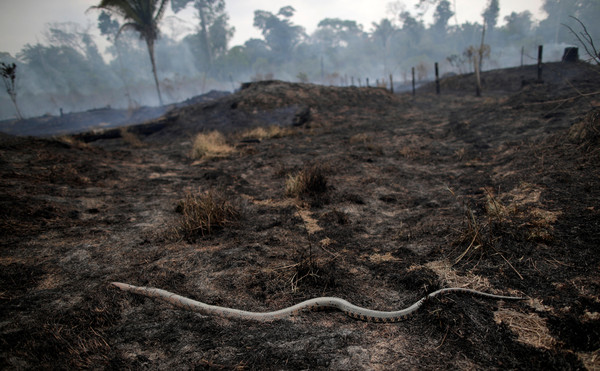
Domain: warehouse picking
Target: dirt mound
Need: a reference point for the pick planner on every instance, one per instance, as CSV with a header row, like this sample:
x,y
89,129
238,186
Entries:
x,y
276,94
271,103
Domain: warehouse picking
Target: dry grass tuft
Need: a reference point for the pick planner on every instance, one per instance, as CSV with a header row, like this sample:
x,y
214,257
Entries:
x,y
130,138
72,142
310,181
513,218
203,214
362,138
209,145
587,132
268,132
530,328
447,274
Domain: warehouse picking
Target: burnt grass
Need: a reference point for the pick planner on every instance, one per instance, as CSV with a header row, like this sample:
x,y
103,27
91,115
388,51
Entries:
x,y
498,193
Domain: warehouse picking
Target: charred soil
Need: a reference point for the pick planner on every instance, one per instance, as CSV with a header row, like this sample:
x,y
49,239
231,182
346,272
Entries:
x,y
401,196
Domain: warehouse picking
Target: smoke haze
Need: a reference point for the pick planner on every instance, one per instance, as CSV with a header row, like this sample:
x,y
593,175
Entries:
x,y
70,66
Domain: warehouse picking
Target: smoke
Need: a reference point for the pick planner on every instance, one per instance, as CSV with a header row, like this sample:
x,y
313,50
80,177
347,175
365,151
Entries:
x,y
69,73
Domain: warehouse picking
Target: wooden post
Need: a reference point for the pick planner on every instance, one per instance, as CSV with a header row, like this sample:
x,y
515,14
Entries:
x,y
391,84
539,65
232,84
368,83
437,79
477,76
413,81
522,53
322,71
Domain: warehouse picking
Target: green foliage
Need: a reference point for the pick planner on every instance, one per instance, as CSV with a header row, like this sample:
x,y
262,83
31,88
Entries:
x,y
214,33
490,14
443,13
280,34
141,16
108,26
518,24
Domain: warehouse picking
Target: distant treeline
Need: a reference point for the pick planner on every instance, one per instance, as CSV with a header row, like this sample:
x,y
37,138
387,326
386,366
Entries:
x,y
68,71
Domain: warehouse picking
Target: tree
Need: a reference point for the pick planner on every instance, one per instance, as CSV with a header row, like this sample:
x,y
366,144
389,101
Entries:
x,y
490,16
141,16
443,13
382,34
334,32
413,28
280,34
559,12
518,25
71,35
215,32
8,71
109,28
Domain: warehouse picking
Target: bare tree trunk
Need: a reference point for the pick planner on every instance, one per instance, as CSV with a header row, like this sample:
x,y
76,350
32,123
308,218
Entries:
x,y
200,7
477,75
481,46
122,74
13,98
150,44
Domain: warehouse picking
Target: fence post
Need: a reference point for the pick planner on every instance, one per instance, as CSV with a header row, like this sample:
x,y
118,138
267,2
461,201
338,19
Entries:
x,y
413,81
322,71
539,64
437,79
391,84
522,53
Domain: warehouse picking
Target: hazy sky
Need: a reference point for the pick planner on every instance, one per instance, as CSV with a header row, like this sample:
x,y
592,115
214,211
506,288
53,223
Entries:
x,y
23,21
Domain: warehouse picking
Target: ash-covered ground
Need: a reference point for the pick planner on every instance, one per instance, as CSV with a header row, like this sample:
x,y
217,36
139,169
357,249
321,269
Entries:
x,y
499,193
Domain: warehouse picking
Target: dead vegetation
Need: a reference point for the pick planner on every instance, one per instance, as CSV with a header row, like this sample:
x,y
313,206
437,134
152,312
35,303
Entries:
x,y
503,223
203,214
210,145
308,182
266,132
130,138
586,133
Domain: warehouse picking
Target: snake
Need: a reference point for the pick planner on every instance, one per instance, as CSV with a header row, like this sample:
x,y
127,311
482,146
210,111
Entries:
x,y
319,303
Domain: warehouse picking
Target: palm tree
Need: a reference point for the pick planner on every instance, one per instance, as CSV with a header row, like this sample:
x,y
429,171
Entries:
x,y
141,16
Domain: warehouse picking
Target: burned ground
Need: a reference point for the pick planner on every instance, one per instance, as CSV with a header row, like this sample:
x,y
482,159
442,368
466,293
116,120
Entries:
x,y
498,194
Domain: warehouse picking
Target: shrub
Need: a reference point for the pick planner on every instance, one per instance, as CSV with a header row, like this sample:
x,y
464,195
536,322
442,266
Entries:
x,y
212,144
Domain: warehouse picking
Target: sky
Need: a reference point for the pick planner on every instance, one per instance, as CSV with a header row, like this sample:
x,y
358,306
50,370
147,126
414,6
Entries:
x,y
24,21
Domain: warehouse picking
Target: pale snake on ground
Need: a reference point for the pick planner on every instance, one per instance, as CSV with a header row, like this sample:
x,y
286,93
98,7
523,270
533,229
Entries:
x,y
342,305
